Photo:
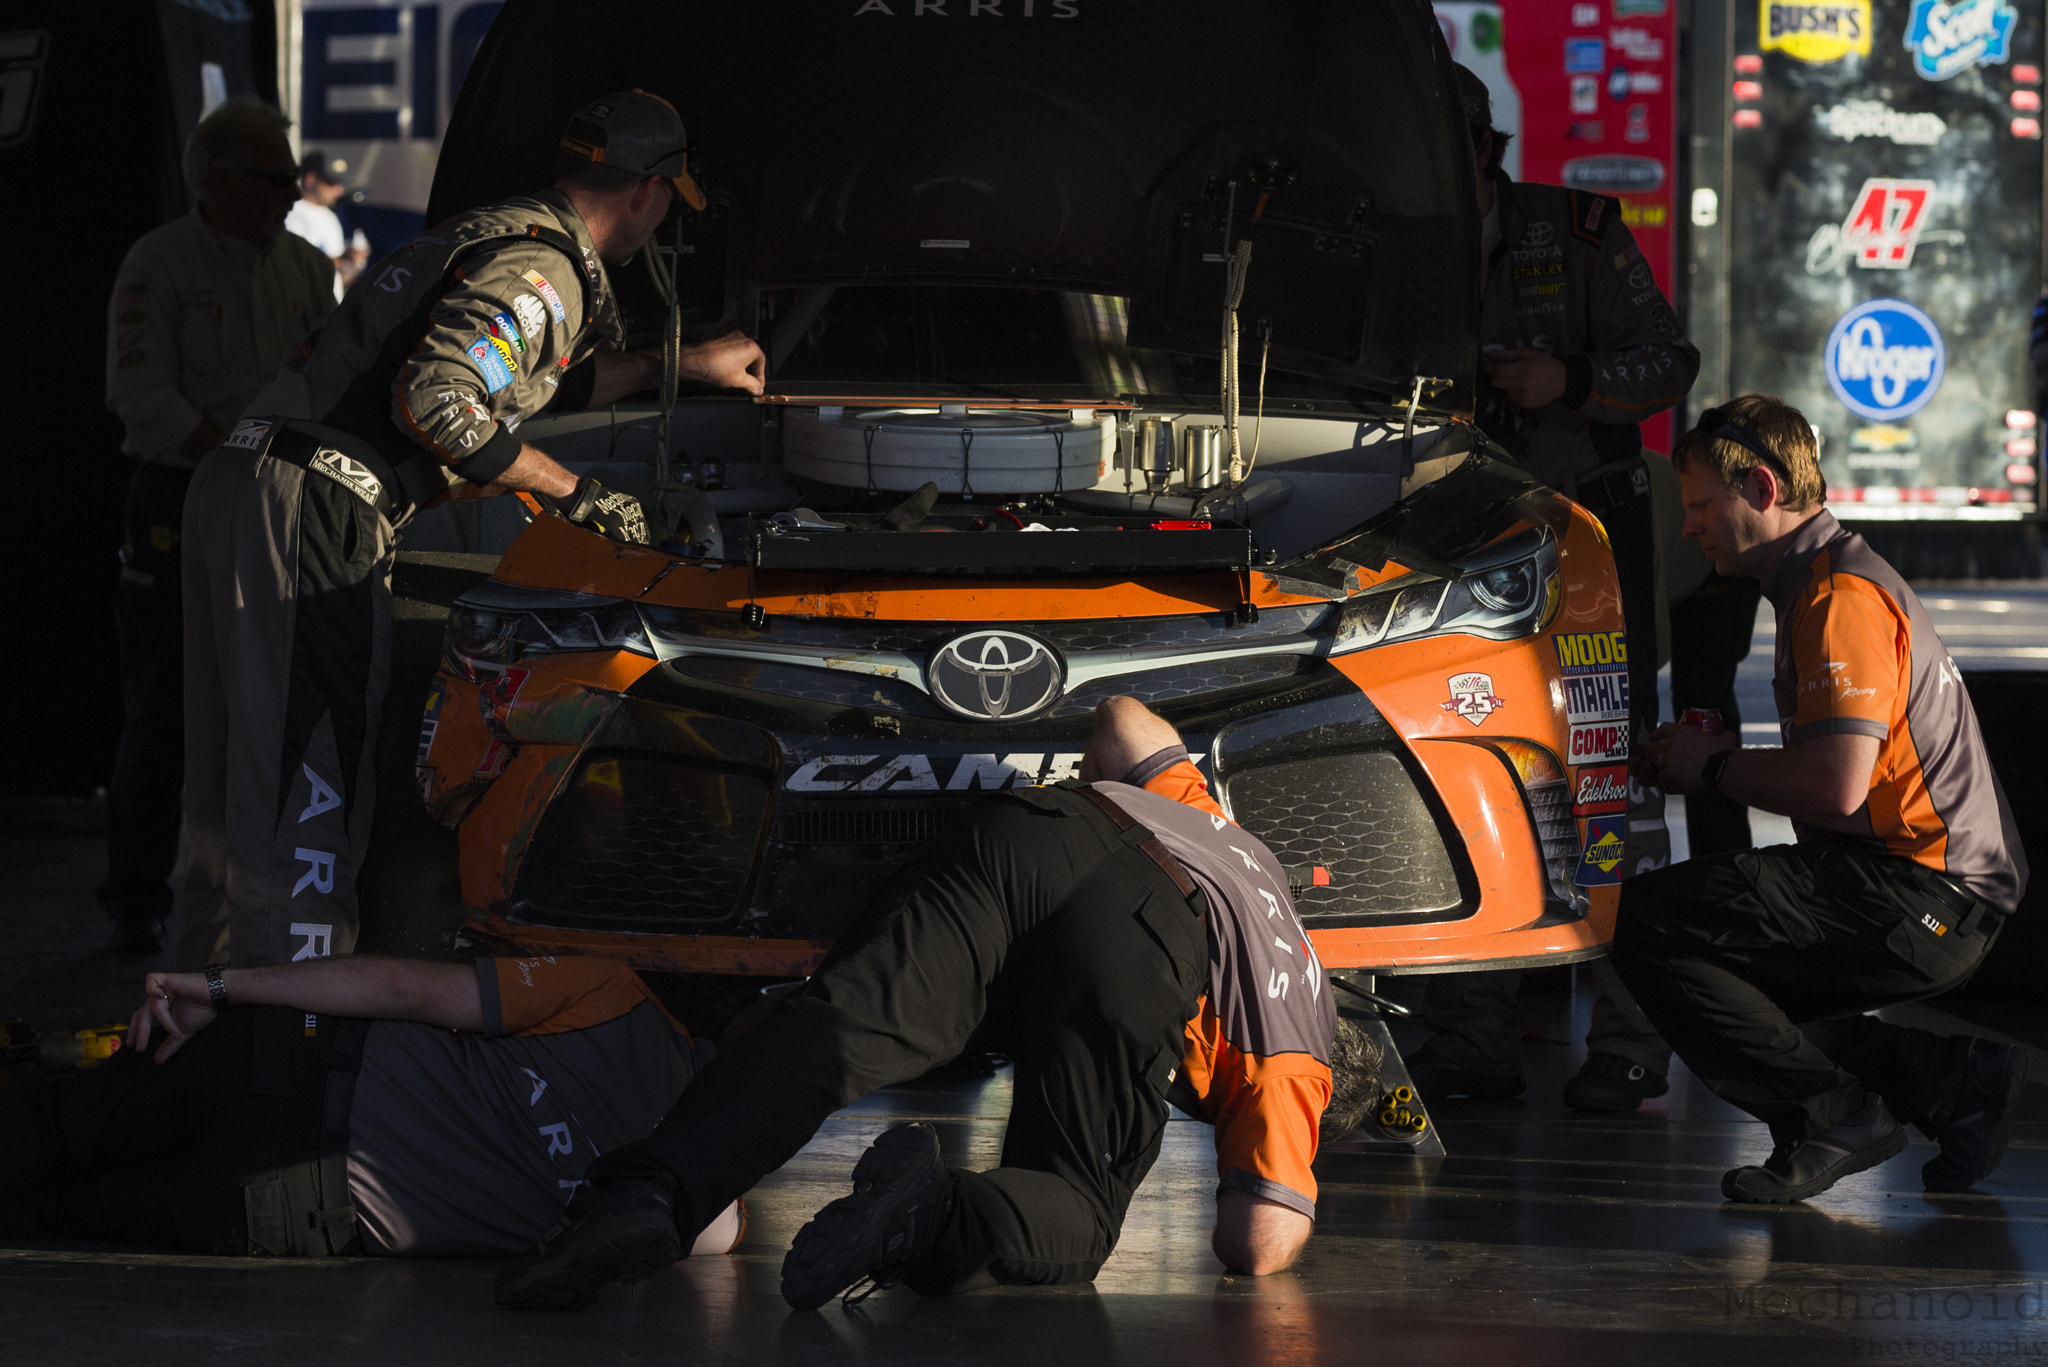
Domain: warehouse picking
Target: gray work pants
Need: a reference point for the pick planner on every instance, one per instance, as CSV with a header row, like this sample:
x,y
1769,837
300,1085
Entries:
x,y
287,570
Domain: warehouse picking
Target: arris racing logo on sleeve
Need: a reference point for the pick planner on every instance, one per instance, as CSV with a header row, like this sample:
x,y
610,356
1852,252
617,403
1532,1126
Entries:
x,y
1815,33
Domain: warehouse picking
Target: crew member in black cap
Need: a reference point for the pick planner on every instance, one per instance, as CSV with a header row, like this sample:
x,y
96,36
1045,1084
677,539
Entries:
x,y
321,187
412,394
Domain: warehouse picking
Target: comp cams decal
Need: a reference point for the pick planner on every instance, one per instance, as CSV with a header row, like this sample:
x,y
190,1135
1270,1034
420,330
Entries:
x,y
1948,39
1473,698
1815,33
1885,359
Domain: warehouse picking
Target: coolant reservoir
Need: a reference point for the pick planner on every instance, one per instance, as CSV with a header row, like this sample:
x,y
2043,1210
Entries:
x,y
986,452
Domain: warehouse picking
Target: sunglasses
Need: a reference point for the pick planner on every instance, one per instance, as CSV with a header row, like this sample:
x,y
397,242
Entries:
x,y
276,180
1716,423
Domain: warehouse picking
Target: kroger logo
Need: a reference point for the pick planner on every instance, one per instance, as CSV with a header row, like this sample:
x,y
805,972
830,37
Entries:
x,y
1885,359
1948,39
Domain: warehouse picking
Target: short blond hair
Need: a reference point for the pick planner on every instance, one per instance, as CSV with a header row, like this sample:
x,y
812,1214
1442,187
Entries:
x,y
1776,426
228,135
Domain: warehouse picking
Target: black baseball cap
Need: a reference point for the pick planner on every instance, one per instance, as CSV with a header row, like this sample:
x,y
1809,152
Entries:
x,y
332,170
1473,95
637,132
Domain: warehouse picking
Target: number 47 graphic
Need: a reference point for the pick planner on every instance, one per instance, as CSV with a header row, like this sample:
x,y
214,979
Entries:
x,y
1884,225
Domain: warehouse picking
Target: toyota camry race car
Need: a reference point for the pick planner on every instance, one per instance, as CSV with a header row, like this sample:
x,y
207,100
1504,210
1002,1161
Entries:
x,y
1115,348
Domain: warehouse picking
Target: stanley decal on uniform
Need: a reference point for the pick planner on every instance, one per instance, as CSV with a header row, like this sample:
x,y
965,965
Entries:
x,y
1602,741
1948,39
495,369
533,315
1587,652
547,292
1596,697
1600,865
249,435
1815,33
1602,790
1473,698
351,475
507,332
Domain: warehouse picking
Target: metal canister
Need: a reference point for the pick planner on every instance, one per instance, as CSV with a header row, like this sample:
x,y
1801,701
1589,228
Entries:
x,y
1707,719
1201,457
1150,453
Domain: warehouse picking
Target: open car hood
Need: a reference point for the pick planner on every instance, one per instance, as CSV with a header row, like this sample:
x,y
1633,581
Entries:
x,y
1085,146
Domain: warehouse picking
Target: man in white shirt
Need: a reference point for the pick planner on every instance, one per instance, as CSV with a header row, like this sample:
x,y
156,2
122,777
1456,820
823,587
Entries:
x,y
204,311
321,187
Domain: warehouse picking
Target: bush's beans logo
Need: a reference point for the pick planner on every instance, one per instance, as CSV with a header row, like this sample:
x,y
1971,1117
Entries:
x,y
1882,229
1600,864
1596,697
1816,33
1583,652
1948,39
1598,743
1602,791
1885,359
1473,698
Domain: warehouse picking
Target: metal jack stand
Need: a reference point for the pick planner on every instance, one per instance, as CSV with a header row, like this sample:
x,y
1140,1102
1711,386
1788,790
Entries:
x,y
1371,1010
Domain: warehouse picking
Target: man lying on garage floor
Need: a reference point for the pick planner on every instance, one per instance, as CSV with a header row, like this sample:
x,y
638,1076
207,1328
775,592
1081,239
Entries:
x,y
1117,964
348,1105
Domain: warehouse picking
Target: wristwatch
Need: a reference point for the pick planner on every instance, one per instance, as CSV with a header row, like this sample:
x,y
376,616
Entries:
x,y
215,987
1710,772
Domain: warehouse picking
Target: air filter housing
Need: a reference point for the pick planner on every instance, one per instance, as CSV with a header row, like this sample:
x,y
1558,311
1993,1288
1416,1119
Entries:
x,y
985,452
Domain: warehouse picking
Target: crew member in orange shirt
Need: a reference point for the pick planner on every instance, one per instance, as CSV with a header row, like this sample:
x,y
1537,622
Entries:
x,y
1756,965
1123,943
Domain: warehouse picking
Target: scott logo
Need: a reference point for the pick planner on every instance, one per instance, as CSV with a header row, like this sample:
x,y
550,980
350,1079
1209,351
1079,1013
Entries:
x,y
1885,359
1948,39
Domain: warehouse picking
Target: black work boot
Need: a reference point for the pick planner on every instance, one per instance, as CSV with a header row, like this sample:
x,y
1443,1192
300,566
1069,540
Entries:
x,y
1609,1082
1438,1080
901,1197
624,1233
1973,1141
1796,1171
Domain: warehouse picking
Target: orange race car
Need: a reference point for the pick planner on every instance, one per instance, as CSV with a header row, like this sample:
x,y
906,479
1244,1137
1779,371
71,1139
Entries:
x,y
1090,374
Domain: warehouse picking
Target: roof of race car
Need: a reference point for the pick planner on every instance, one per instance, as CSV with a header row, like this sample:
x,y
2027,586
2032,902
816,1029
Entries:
x,y
1073,145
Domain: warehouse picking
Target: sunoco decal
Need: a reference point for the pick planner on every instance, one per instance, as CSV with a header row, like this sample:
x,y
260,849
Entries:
x,y
1596,697
1473,698
1600,863
1601,791
1815,33
1885,359
1947,40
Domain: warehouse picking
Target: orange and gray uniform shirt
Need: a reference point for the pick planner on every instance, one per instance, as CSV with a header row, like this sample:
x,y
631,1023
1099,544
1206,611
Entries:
x,y
443,348
1567,278
198,323
1857,655
465,1143
1256,1061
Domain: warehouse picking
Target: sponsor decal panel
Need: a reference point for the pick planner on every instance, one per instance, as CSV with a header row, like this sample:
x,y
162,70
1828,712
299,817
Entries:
x,y
1815,33
351,475
1885,359
494,368
1600,743
1853,119
1600,862
249,435
1886,222
1473,698
533,315
1585,54
1948,39
1614,175
507,334
547,292
1596,697
1601,790
1590,652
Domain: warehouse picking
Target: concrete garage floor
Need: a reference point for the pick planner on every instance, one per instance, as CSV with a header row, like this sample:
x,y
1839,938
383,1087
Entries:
x,y
1544,1237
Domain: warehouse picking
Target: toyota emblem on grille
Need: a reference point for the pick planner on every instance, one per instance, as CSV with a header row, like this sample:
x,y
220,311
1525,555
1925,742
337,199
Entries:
x,y
995,675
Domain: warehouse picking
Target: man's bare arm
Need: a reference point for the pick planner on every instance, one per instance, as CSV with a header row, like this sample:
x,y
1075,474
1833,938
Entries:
x,y
1256,1236
353,985
1821,780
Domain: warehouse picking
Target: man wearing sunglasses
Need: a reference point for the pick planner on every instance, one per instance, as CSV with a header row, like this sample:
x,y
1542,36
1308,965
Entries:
x,y
1757,965
204,311
412,394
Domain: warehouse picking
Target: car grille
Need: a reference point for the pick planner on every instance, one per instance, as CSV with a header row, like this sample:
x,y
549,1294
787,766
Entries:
x,y
863,825
1361,817
641,842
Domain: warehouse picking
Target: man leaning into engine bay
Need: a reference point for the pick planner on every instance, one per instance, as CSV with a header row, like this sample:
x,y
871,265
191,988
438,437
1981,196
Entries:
x,y
411,395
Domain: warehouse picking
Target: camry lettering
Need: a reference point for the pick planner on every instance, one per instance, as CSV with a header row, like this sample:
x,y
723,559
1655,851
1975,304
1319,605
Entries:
x,y
917,773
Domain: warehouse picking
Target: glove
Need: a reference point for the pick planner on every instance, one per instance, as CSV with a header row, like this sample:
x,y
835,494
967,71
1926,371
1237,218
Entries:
x,y
607,512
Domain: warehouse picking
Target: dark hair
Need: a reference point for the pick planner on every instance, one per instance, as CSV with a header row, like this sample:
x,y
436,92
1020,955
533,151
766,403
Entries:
x,y
572,171
1354,1080
1500,144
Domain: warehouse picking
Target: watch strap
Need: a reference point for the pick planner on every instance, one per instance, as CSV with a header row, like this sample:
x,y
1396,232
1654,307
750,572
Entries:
x,y
216,986
1712,770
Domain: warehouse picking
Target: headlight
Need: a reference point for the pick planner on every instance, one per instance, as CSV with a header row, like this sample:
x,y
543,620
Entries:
x,y
495,625
1506,590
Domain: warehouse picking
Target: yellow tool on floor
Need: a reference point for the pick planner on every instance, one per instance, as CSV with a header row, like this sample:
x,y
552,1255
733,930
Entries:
x,y
1401,1115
